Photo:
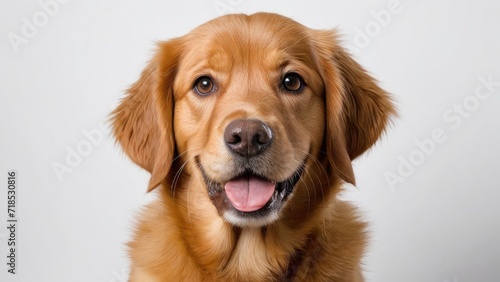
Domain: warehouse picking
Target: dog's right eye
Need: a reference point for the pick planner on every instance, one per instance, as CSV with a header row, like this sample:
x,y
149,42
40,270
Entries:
x,y
204,85
292,82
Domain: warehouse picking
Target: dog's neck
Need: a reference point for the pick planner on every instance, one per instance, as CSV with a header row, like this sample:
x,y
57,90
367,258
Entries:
x,y
219,247
223,246
262,248
297,260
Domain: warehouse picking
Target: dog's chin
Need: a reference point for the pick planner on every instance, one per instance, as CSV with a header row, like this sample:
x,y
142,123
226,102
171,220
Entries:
x,y
257,200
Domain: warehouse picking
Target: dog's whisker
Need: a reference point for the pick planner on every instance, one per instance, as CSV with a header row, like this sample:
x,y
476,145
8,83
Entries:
x,y
186,152
318,178
177,176
318,163
179,171
188,193
306,174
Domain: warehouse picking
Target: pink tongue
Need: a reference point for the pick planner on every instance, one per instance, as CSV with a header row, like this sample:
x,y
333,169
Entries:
x,y
249,194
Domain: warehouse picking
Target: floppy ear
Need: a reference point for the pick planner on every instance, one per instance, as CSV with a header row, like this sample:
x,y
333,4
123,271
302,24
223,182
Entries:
x,y
357,109
143,121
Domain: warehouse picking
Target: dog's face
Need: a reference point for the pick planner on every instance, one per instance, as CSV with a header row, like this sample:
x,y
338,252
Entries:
x,y
248,111
249,104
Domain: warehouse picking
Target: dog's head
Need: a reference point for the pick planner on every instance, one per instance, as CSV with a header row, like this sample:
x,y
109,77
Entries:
x,y
249,104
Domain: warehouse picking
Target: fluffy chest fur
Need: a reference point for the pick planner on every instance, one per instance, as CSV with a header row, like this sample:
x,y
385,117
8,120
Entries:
x,y
200,246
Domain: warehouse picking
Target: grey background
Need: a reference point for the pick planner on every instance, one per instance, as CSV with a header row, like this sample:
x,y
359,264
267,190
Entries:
x,y
439,222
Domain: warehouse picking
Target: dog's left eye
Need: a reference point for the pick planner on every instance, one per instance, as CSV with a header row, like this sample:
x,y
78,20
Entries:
x,y
293,82
204,85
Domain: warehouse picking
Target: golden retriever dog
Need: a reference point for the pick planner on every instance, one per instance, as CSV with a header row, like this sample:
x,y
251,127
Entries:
x,y
249,125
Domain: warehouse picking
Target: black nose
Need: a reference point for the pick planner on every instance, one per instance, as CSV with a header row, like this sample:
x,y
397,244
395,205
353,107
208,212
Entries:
x,y
248,137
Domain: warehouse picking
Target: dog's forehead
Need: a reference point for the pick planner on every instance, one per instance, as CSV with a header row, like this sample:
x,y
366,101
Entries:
x,y
257,38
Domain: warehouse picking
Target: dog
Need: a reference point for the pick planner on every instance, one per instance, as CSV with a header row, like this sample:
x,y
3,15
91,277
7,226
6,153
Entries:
x,y
249,125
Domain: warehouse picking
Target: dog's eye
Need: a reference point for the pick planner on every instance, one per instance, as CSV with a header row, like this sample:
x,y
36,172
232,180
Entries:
x,y
204,85
293,82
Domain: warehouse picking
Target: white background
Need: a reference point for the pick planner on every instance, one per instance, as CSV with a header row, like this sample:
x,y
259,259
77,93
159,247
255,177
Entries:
x,y
440,222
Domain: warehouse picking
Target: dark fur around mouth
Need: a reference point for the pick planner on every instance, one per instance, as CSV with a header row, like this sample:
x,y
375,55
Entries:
x,y
282,192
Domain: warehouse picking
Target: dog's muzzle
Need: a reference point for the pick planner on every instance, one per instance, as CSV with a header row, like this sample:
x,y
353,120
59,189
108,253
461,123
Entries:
x,y
251,197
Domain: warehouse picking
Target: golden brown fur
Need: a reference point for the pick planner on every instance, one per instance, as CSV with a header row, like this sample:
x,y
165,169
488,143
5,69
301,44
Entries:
x,y
174,133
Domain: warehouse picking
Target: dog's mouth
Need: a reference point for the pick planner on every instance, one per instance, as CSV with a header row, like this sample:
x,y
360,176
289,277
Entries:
x,y
250,193
250,198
